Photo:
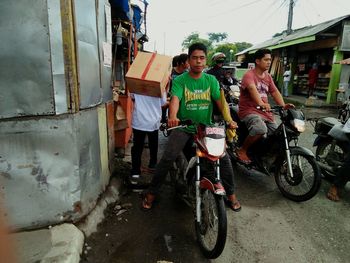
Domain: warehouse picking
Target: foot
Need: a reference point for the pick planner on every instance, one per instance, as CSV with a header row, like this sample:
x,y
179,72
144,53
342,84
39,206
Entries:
x,y
243,157
333,194
233,203
147,201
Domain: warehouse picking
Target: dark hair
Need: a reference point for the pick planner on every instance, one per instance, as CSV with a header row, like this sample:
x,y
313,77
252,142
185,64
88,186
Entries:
x,y
182,58
174,62
197,46
260,53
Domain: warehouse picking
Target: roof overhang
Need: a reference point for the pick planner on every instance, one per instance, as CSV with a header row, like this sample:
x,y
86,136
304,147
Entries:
x,y
288,43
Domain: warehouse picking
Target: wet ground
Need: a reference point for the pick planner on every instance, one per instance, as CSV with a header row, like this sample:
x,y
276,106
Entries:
x,y
269,227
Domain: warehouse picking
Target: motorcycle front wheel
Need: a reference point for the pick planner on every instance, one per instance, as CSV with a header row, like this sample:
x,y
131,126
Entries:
x,y
306,179
211,231
333,158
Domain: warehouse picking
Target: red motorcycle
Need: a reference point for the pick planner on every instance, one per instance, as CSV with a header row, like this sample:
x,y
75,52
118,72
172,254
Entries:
x,y
193,181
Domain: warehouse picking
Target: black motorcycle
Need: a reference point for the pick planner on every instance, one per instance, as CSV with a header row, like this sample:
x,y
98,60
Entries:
x,y
332,142
296,172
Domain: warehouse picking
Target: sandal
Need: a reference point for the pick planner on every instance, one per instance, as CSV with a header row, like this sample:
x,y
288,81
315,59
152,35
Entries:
x,y
241,160
234,205
147,201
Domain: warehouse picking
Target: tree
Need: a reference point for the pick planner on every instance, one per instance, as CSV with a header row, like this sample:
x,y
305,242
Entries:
x,y
242,46
194,38
225,48
217,37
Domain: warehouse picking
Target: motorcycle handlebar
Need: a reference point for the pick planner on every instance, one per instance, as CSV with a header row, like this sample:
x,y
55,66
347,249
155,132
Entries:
x,y
182,124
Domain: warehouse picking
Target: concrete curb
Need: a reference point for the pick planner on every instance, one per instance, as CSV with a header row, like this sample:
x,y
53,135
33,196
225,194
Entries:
x,y
67,244
96,216
62,243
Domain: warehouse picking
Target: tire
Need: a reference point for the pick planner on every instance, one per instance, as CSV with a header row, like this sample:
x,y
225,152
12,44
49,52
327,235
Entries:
x,y
212,230
331,159
306,181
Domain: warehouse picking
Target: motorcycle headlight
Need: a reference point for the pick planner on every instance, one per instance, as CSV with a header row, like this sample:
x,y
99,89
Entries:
x,y
299,125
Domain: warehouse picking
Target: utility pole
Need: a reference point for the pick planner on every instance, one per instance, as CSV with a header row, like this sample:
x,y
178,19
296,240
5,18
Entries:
x,y
290,17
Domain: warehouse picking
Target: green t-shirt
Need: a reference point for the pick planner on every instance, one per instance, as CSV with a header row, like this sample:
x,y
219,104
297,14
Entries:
x,y
196,98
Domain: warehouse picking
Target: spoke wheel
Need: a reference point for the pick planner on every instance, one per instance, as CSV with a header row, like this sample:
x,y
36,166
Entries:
x,y
211,231
306,179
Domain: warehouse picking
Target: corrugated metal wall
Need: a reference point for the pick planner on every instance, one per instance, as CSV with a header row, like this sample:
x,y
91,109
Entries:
x,y
53,162
25,66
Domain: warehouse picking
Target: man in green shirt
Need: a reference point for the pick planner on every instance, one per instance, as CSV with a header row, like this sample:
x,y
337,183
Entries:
x,y
192,99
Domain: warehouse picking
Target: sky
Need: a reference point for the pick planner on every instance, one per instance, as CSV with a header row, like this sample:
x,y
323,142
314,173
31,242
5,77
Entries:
x,y
169,22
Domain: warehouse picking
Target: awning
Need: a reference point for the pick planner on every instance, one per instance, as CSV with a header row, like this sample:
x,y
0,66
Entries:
x,y
288,43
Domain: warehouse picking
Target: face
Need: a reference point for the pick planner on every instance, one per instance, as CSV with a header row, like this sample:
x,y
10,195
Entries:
x,y
197,61
185,65
264,63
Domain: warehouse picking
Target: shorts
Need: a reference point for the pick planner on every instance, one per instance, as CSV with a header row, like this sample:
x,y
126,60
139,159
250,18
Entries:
x,y
257,125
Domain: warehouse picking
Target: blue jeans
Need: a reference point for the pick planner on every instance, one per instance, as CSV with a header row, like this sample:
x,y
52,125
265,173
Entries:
x,y
176,143
285,88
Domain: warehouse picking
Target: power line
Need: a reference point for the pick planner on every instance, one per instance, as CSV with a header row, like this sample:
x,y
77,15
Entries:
x,y
269,16
221,13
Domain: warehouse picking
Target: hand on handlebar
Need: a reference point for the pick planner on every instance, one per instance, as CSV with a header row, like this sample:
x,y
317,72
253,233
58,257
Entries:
x,y
172,122
265,107
289,106
232,125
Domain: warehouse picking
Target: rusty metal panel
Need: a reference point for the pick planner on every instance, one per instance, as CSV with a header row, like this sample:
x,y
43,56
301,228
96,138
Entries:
x,y
25,64
50,168
106,72
88,55
57,57
102,123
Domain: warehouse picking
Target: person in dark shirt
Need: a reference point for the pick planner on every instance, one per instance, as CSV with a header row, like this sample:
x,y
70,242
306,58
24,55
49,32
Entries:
x,y
218,59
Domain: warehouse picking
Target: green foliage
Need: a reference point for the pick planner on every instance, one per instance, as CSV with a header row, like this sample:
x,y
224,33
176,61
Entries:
x,y
242,46
216,38
194,38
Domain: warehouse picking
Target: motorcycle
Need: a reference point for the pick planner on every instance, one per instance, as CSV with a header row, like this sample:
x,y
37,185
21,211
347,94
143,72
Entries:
x,y
193,182
295,170
332,142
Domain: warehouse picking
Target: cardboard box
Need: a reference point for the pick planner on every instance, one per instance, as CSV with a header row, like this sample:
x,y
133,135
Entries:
x,y
149,74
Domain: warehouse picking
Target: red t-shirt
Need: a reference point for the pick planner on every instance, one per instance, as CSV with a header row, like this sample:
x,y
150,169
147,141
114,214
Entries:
x,y
264,86
313,76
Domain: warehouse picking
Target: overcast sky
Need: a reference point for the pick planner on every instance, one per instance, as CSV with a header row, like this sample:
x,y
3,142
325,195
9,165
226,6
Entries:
x,y
169,22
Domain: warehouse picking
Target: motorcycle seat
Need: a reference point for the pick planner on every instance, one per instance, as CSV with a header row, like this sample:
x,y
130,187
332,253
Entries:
x,y
330,121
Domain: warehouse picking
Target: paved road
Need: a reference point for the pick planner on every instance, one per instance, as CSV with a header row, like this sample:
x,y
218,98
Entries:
x,y
269,228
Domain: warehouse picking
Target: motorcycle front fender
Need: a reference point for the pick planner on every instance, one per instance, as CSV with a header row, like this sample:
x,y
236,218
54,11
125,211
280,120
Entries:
x,y
301,150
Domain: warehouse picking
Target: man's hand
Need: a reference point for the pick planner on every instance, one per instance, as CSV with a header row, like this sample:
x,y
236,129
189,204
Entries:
x,y
232,125
289,106
265,106
172,122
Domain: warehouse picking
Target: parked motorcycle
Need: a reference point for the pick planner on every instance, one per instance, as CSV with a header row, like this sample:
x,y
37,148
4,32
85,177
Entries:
x,y
332,142
193,181
296,172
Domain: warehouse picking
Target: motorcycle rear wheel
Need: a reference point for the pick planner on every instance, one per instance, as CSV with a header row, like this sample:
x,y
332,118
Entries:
x,y
306,180
211,232
323,155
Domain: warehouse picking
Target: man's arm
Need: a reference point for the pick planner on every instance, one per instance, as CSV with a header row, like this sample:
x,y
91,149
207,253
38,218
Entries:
x,y
224,109
277,97
173,109
254,94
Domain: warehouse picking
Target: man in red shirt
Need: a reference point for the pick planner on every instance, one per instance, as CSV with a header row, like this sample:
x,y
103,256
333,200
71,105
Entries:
x,y
313,74
257,84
